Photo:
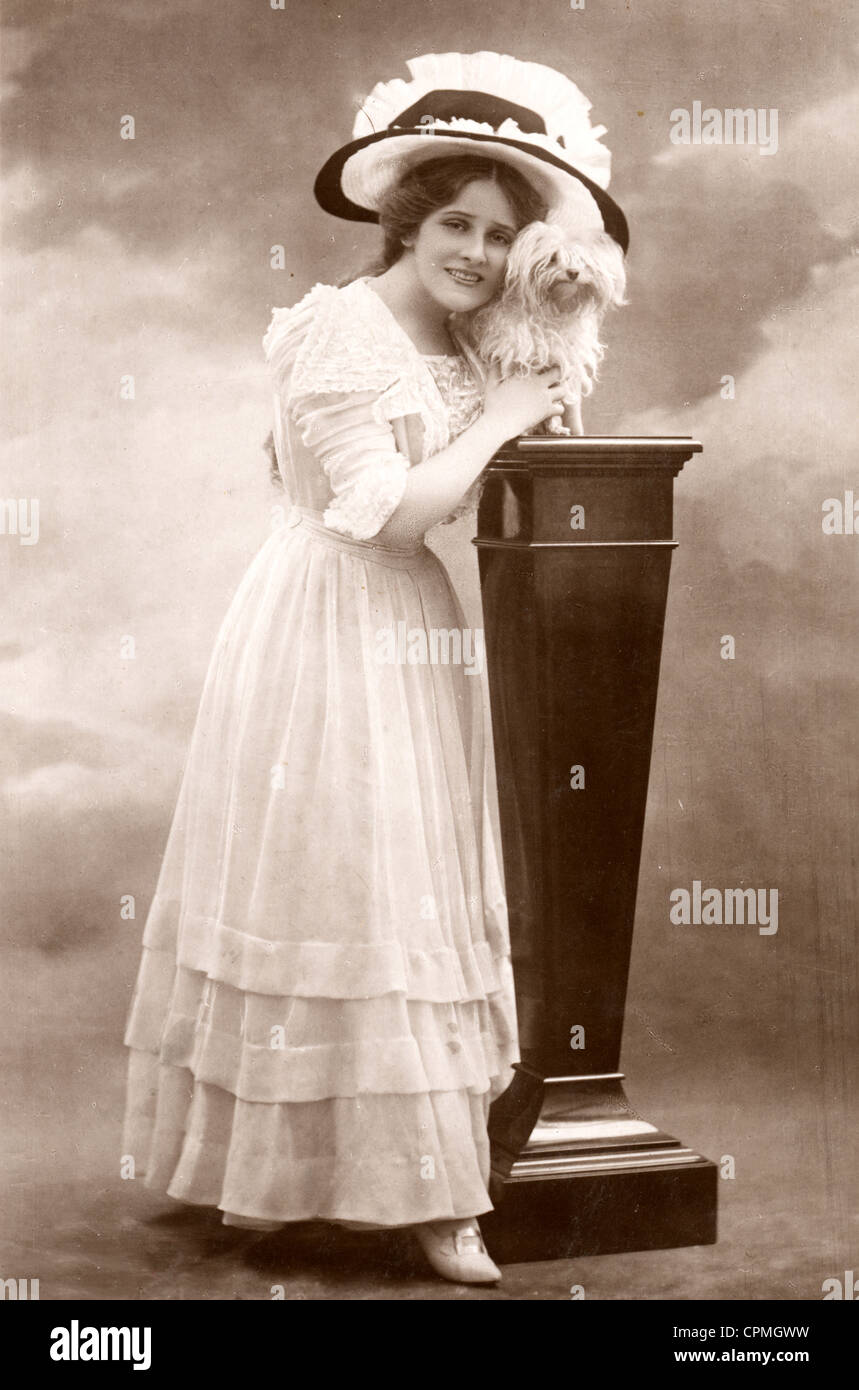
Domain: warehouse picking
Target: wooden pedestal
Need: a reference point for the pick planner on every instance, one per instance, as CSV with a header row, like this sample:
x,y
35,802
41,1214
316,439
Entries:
x,y
575,541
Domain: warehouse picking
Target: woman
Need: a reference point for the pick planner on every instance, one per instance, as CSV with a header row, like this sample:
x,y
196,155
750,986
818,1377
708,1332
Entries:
x,y
325,1006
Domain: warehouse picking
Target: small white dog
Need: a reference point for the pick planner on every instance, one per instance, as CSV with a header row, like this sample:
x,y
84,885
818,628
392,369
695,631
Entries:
x,y
558,287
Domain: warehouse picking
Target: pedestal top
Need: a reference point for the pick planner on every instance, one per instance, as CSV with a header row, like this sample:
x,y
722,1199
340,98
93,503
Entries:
x,y
528,453
541,491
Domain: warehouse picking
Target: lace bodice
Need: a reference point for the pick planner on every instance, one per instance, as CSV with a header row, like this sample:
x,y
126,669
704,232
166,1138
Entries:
x,y
357,404
463,397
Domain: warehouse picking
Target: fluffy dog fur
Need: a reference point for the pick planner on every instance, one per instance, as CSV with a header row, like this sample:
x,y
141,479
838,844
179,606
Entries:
x,y
558,287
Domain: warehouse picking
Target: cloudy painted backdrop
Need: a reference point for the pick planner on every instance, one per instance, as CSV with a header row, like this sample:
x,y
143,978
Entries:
x,y
150,258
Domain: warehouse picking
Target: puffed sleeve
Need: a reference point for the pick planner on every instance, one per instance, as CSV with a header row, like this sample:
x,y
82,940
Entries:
x,y
355,444
341,378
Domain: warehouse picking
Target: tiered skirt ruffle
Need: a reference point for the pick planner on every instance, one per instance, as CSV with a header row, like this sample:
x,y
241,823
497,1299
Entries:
x,y
324,1008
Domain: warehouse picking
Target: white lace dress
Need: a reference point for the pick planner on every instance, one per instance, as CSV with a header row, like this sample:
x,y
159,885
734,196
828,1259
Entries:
x,y
324,1007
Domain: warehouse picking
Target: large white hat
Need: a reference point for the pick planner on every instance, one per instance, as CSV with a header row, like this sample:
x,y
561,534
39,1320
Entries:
x,y
490,104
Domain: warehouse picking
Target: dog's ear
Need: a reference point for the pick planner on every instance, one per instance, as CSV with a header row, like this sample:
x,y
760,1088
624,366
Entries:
x,y
528,237
531,247
612,262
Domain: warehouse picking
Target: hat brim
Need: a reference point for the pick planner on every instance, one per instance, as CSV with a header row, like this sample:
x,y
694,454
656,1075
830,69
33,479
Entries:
x,y
375,162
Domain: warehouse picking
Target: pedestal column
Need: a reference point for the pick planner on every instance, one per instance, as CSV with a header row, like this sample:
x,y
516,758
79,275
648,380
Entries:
x,y
575,542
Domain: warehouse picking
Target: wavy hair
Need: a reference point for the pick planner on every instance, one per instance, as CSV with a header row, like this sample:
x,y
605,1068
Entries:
x,y
434,184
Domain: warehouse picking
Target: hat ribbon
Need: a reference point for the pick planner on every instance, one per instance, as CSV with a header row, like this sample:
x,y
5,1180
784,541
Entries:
x,y
447,104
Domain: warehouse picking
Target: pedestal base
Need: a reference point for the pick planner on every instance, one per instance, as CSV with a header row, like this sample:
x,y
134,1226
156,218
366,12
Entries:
x,y
603,1213
575,1172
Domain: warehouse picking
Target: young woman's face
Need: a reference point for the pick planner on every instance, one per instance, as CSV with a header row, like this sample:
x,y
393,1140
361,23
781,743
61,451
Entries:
x,y
461,249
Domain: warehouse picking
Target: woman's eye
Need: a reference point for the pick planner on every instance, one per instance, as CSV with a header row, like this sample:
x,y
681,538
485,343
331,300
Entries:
x,y
456,225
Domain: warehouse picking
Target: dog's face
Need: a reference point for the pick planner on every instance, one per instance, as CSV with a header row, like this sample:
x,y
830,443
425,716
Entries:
x,y
550,266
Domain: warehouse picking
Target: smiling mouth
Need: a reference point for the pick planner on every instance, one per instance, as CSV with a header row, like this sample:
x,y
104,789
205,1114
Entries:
x,y
464,277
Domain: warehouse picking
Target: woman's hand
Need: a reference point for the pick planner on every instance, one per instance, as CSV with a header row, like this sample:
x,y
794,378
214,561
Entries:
x,y
573,417
519,403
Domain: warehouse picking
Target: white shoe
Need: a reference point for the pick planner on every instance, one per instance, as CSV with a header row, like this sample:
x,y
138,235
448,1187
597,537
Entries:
x,y
251,1223
456,1251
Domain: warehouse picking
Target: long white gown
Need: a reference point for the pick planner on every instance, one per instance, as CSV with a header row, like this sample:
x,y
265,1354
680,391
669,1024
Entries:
x,y
324,1008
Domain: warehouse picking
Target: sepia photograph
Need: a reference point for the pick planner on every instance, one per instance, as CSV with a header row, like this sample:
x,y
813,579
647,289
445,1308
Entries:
x,y
429,525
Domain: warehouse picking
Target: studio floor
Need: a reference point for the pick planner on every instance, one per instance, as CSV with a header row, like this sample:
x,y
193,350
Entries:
x,y
97,1239
787,1220
113,1244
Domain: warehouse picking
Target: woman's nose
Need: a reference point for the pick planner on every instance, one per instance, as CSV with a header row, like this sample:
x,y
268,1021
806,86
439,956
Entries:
x,y
475,250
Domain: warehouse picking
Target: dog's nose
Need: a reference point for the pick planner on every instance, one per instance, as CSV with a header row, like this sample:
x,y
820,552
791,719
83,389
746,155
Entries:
x,y
572,275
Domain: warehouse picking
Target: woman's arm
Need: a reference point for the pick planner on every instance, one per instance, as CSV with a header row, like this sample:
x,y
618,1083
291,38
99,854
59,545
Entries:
x,y
434,487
